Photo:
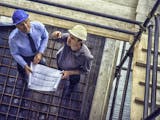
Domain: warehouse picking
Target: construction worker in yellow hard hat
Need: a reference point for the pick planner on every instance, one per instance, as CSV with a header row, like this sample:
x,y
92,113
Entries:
x,y
74,58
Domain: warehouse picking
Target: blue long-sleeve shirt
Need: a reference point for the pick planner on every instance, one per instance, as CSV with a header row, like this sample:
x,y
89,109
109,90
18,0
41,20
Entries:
x,y
20,46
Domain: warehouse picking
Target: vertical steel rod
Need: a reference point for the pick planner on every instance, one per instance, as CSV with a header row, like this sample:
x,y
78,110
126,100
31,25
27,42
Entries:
x,y
155,63
125,86
147,76
114,96
123,50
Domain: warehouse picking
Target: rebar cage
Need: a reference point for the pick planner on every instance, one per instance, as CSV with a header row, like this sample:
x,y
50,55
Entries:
x,y
19,102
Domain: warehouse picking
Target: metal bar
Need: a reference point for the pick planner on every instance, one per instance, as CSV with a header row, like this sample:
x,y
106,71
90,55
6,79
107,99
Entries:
x,y
4,91
21,100
70,19
4,85
147,76
136,38
142,29
116,86
150,15
13,90
153,115
123,50
155,63
88,11
114,96
125,86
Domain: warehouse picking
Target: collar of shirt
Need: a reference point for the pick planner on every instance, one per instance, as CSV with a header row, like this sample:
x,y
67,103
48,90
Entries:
x,y
79,52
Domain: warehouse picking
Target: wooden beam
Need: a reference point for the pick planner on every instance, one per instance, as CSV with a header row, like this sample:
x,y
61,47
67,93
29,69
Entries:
x,y
141,101
150,85
5,11
143,64
104,81
152,50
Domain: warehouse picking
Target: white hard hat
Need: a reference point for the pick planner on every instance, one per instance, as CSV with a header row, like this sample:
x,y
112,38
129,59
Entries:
x,y
79,32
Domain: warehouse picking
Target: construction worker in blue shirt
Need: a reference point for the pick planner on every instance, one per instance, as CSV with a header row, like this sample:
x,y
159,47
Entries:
x,y
20,46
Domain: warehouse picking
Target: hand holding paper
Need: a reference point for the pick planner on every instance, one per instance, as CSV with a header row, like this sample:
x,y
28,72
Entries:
x,y
44,78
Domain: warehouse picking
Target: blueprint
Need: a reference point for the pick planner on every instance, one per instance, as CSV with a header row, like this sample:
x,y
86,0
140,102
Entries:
x,y
44,78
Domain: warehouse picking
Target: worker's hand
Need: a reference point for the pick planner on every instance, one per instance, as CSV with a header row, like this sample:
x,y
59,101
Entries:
x,y
56,35
37,58
65,74
27,69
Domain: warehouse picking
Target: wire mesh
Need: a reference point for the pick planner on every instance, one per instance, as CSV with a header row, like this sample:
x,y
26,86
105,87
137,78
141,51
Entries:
x,y
17,102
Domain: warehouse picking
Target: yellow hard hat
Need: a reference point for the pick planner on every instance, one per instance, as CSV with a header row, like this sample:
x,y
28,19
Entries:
x,y
79,32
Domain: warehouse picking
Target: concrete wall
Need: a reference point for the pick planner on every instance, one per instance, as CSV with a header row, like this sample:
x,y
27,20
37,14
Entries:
x,y
143,8
127,3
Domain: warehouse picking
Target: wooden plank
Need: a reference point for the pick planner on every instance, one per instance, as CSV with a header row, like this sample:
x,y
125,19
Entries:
x,y
104,81
142,57
142,64
141,101
5,11
137,90
145,50
144,43
150,85
141,72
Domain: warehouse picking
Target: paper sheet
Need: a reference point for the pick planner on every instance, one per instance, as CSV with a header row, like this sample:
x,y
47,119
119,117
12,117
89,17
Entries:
x,y
44,78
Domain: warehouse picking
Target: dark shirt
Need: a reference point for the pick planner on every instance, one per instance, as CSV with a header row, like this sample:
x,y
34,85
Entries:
x,y
71,60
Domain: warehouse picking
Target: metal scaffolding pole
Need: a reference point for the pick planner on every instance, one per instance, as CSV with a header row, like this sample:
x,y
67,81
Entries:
x,y
142,29
155,63
136,38
125,86
153,115
147,76
114,96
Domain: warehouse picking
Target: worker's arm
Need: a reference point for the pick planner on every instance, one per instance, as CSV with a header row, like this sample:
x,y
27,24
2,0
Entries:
x,y
27,69
59,37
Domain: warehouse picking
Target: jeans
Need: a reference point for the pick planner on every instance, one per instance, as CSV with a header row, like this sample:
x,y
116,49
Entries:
x,y
74,79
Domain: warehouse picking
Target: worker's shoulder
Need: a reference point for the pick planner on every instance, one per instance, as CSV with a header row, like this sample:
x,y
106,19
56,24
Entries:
x,y
13,34
37,24
85,49
86,52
